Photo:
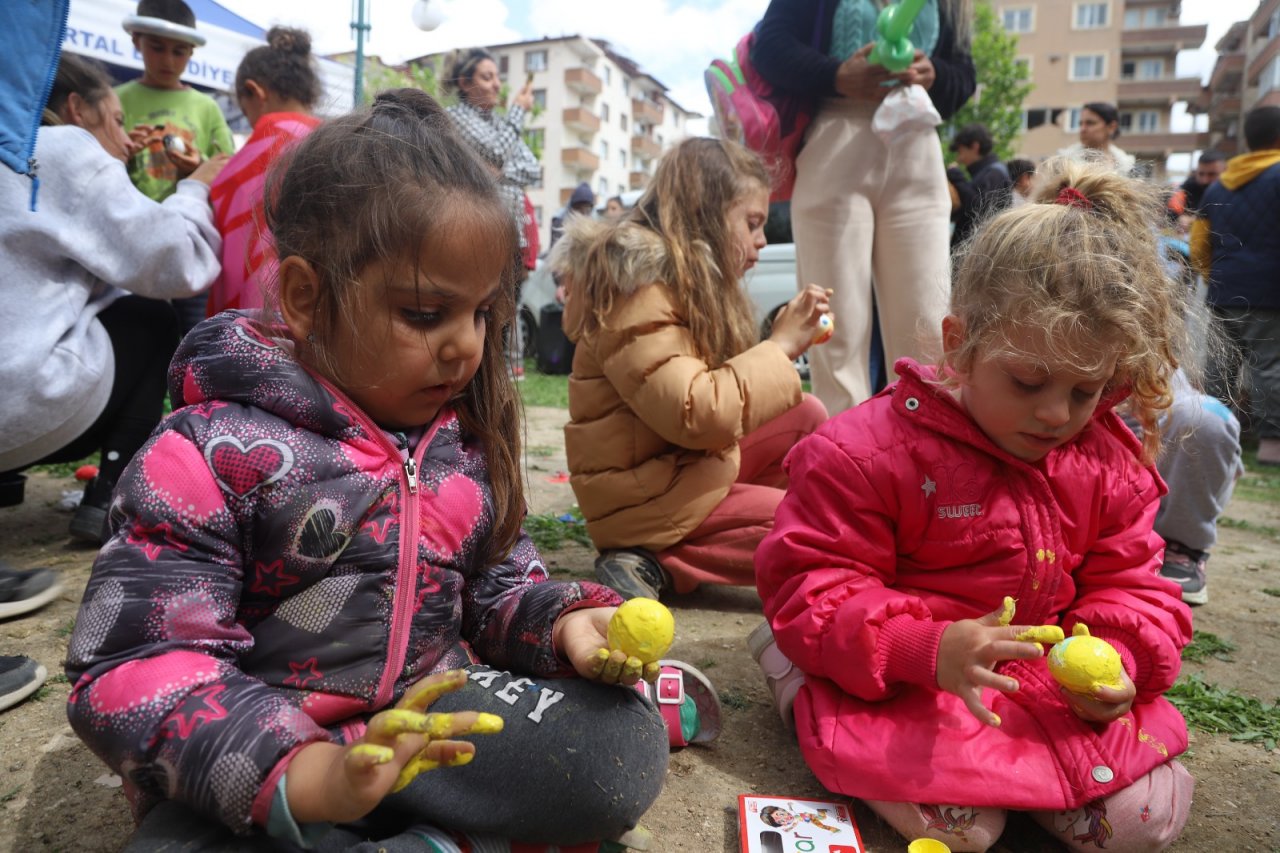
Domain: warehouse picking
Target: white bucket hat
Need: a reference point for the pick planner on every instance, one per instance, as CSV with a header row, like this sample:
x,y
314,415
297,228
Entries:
x,y
135,24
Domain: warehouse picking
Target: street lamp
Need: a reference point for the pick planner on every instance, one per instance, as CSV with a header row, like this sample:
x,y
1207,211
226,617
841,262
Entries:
x,y
426,16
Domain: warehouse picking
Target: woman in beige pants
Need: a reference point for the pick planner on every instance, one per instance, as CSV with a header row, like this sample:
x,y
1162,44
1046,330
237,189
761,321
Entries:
x,y
864,211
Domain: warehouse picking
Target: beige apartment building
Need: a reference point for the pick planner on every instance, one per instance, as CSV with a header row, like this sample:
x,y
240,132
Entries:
x,y
1245,75
600,118
1122,52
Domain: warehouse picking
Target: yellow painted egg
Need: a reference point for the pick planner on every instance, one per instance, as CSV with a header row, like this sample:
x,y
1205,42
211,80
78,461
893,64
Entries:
x,y
826,328
642,628
1081,662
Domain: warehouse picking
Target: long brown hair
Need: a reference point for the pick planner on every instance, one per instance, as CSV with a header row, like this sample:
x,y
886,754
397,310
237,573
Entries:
x,y
686,206
376,186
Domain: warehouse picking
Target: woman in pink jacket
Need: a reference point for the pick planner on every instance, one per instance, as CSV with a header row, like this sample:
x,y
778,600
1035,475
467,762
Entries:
x,y
1003,472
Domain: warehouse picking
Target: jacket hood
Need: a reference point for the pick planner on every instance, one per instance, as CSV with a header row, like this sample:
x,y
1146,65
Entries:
x,y
236,357
634,255
1243,169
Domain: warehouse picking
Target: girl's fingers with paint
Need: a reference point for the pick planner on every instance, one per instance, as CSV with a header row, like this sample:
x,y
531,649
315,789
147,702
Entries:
x,y
1105,704
797,324
582,638
328,782
968,653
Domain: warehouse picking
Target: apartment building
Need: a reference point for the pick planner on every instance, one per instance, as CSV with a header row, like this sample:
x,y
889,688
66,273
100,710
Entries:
x,y
1245,75
599,117
1122,52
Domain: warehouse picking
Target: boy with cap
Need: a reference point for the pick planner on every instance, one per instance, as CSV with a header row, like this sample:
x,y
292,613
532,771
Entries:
x,y
177,126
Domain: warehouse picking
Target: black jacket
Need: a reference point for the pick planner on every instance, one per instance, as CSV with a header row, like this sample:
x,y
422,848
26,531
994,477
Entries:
x,y
983,191
783,54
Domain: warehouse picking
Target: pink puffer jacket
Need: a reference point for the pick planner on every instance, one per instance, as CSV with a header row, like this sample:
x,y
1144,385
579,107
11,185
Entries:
x,y
901,518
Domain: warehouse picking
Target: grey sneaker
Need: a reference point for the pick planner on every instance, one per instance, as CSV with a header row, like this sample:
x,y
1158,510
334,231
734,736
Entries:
x,y
780,674
24,591
632,573
19,678
1185,567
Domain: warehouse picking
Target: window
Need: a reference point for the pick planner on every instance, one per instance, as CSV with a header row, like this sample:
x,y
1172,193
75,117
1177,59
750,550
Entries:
x,y
622,120
1132,19
622,157
604,149
535,60
540,99
1273,24
626,86
1269,79
1091,16
602,188
1018,20
504,63
1128,69
1148,121
1089,66
1073,120
608,75
1126,122
1151,69
604,111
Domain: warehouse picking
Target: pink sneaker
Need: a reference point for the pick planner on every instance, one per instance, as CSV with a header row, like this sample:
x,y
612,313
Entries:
x,y
782,676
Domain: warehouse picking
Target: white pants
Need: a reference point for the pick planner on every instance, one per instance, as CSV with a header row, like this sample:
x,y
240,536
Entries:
x,y
863,212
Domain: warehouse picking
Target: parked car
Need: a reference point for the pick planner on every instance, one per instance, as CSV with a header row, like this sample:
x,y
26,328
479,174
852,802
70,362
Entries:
x,y
771,285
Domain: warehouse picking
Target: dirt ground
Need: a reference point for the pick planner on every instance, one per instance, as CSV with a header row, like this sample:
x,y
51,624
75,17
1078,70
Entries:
x,y
55,795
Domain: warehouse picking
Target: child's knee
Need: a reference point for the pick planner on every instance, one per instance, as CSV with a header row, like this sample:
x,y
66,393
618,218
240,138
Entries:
x,y
811,413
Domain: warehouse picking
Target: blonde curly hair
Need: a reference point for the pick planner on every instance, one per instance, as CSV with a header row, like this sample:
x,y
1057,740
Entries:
x,y
1083,268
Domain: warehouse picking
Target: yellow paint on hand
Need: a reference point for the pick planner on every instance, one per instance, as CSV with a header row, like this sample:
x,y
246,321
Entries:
x,y
642,628
371,754
1010,607
1047,634
1082,663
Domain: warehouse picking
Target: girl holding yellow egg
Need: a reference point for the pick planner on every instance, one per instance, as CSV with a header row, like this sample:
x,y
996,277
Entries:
x,y
1003,472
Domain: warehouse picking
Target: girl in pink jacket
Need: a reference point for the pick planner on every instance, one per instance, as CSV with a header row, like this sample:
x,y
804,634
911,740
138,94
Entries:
x,y
1002,472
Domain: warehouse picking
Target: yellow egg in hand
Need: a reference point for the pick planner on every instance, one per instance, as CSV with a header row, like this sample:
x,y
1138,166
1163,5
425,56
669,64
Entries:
x,y
642,628
1081,662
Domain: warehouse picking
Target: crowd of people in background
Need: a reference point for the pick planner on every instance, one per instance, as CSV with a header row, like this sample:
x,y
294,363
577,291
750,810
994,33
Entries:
x,y
324,539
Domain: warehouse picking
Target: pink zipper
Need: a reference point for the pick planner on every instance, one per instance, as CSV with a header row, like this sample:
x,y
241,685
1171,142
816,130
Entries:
x,y
410,521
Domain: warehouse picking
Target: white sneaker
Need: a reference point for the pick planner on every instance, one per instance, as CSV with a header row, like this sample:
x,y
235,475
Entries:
x,y
782,676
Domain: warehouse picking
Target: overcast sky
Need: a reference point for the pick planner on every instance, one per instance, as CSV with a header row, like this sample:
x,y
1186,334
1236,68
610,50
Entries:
x,y
673,40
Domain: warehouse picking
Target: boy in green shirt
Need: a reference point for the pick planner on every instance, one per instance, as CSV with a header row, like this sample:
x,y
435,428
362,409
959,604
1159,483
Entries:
x,y
177,126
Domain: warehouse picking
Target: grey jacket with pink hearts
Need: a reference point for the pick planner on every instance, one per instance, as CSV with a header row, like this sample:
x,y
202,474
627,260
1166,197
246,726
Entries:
x,y
278,573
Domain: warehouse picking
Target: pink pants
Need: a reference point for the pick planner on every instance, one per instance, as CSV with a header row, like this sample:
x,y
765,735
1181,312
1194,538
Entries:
x,y
1146,816
722,549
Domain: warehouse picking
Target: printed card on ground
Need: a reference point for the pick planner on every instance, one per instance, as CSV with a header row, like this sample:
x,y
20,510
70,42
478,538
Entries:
x,y
771,824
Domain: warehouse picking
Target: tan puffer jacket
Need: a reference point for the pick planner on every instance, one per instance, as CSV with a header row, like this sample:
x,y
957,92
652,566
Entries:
x,y
652,441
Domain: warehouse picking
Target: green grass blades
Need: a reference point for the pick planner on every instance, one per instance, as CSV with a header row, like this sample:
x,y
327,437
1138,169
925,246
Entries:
x,y
1205,645
549,531
1216,710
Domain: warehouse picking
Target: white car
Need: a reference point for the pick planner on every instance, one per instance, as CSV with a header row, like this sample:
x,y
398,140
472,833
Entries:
x,y
771,284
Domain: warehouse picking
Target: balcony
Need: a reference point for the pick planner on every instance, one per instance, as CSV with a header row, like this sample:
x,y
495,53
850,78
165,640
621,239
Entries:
x,y
638,180
1260,60
1166,90
1163,39
581,120
580,159
1163,143
1226,71
645,147
583,81
645,111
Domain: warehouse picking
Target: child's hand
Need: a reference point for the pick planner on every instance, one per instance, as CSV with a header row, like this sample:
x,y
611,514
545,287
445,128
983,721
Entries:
x,y
328,782
143,135
796,325
968,653
186,161
582,636
1106,704
209,169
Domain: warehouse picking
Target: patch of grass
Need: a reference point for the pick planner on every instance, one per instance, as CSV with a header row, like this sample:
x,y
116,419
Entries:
x,y
9,795
65,630
706,663
1272,592
734,701
541,450
549,531
58,678
1217,710
65,469
1205,645
541,389
1242,524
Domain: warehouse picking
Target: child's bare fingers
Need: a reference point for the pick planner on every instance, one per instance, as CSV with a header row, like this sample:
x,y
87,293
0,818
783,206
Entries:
x,y
983,677
431,688
1016,650
983,714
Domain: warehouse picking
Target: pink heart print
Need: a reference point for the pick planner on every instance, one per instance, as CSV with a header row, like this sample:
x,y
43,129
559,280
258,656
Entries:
x,y
242,470
449,516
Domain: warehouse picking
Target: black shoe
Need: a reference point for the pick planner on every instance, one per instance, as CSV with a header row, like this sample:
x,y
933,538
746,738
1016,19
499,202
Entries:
x,y
632,573
19,678
89,522
22,592
1185,567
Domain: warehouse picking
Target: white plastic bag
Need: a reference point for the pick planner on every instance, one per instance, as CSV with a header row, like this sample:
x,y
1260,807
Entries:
x,y
904,110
